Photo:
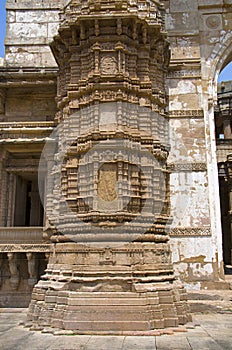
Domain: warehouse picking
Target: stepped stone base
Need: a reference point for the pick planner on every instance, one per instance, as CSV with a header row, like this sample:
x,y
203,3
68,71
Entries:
x,y
108,311
109,293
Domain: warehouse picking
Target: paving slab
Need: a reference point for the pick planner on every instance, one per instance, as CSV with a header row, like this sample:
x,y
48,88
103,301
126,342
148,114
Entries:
x,y
224,342
105,343
213,333
203,343
138,342
33,342
78,342
175,342
13,338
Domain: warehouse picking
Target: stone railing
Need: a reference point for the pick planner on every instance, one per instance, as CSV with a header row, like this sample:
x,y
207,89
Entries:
x,y
21,235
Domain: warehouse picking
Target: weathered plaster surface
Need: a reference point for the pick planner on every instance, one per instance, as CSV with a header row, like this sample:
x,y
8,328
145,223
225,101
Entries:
x,y
196,60
195,260
189,199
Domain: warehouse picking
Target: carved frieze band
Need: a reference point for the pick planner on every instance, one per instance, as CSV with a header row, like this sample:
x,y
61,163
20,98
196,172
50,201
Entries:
x,y
184,73
190,231
15,139
179,167
19,125
33,169
188,113
21,248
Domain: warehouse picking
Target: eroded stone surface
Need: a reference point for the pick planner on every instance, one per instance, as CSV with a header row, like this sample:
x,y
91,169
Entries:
x,y
129,66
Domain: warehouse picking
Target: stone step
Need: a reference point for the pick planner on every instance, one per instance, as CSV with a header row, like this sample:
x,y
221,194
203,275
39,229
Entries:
x,y
210,301
204,295
216,285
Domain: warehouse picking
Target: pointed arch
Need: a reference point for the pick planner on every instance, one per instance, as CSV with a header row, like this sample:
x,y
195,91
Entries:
x,y
221,55
219,58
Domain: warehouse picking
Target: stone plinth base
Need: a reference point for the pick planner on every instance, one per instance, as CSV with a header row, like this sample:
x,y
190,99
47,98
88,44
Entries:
x,y
117,312
110,290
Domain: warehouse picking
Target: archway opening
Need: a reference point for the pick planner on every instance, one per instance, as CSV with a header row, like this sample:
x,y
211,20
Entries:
x,y
223,130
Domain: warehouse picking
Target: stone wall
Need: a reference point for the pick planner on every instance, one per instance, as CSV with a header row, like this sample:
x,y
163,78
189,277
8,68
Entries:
x,y
30,28
199,33
27,108
25,104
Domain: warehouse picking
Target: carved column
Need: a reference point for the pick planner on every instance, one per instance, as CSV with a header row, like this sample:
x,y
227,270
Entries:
x,y
229,189
47,255
14,272
32,268
227,128
4,188
48,192
11,199
35,215
2,103
1,268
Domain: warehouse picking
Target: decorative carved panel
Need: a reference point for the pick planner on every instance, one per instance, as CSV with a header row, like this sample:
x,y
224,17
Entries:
x,y
107,182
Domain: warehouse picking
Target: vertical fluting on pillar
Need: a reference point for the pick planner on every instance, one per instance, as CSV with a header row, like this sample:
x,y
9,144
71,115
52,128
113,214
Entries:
x,y
111,268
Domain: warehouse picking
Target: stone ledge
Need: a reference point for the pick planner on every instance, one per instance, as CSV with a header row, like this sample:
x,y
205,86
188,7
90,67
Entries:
x,y
188,113
22,248
179,167
29,70
190,231
50,5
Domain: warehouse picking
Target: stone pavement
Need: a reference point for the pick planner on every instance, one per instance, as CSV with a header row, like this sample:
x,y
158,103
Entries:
x,y
214,332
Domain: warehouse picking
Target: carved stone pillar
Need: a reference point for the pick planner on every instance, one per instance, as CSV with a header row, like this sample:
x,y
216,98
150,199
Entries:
x,y
230,218
229,189
2,103
1,268
227,128
48,187
14,272
35,215
32,268
4,188
47,255
11,199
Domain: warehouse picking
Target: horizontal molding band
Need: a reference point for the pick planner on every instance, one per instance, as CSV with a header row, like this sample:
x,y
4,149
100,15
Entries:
x,y
21,248
31,125
188,167
188,113
190,231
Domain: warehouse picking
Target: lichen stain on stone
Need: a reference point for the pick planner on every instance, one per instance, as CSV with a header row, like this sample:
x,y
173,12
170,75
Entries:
x,y
218,268
20,49
195,259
